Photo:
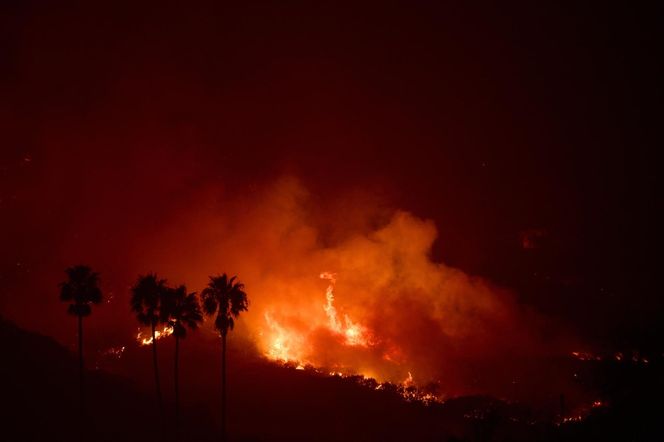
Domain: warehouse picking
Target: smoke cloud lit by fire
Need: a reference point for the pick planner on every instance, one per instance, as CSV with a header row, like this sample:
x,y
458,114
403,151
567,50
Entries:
x,y
344,283
361,297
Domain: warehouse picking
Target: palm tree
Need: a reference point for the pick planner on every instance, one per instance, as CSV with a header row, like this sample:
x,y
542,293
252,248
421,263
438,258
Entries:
x,y
226,298
147,296
181,311
81,289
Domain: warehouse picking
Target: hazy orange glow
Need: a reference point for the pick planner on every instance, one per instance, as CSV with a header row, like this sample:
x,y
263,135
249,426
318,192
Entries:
x,y
352,291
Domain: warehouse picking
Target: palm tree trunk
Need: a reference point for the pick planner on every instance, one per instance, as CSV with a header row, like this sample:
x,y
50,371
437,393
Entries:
x,y
81,372
156,371
223,387
177,389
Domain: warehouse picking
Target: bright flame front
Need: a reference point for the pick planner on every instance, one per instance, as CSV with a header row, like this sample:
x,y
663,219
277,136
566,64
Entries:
x,y
284,341
158,334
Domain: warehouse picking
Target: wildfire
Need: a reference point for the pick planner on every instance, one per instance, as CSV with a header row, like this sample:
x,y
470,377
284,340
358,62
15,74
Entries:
x,y
158,334
115,352
287,344
582,412
586,356
290,343
107,355
355,334
409,380
571,419
618,357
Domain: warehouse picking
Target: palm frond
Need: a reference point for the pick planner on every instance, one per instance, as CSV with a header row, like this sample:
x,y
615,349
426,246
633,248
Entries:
x,y
81,288
181,310
226,298
147,296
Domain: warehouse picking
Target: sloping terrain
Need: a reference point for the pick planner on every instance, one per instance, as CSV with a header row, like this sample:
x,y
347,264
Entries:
x,y
270,402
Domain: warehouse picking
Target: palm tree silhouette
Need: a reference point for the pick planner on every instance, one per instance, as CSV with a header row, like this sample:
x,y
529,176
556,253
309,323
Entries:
x,y
226,298
181,311
81,289
147,296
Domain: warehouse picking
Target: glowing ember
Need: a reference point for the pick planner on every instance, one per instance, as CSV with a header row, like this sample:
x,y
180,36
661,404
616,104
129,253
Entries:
x,y
586,356
406,389
619,357
115,352
581,413
158,334
570,419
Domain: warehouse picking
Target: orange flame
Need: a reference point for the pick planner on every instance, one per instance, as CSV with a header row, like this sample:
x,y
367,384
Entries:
x,y
158,334
286,344
355,334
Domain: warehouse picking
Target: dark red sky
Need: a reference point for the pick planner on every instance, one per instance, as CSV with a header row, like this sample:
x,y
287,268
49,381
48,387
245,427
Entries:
x,y
490,121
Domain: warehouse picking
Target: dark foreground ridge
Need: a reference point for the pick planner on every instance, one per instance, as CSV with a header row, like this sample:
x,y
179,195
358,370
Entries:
x,y
39,385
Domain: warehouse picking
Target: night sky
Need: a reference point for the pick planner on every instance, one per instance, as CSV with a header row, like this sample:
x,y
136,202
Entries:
x,y
526,134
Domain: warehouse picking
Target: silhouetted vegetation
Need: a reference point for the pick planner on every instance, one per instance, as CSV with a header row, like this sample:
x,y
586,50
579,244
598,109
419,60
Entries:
x,y
225,298
629,390
81,290
181,311
147,296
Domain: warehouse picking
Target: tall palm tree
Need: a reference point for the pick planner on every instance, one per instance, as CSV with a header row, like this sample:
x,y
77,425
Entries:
x,y
181,311
226,298
147,296
82,290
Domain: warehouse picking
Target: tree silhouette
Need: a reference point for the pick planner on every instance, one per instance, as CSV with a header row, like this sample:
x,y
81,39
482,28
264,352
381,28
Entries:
x,y
226,298
181,311
81,289
147,296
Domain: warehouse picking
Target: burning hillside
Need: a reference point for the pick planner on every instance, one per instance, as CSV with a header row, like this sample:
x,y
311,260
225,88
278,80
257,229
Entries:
x,y
357,294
